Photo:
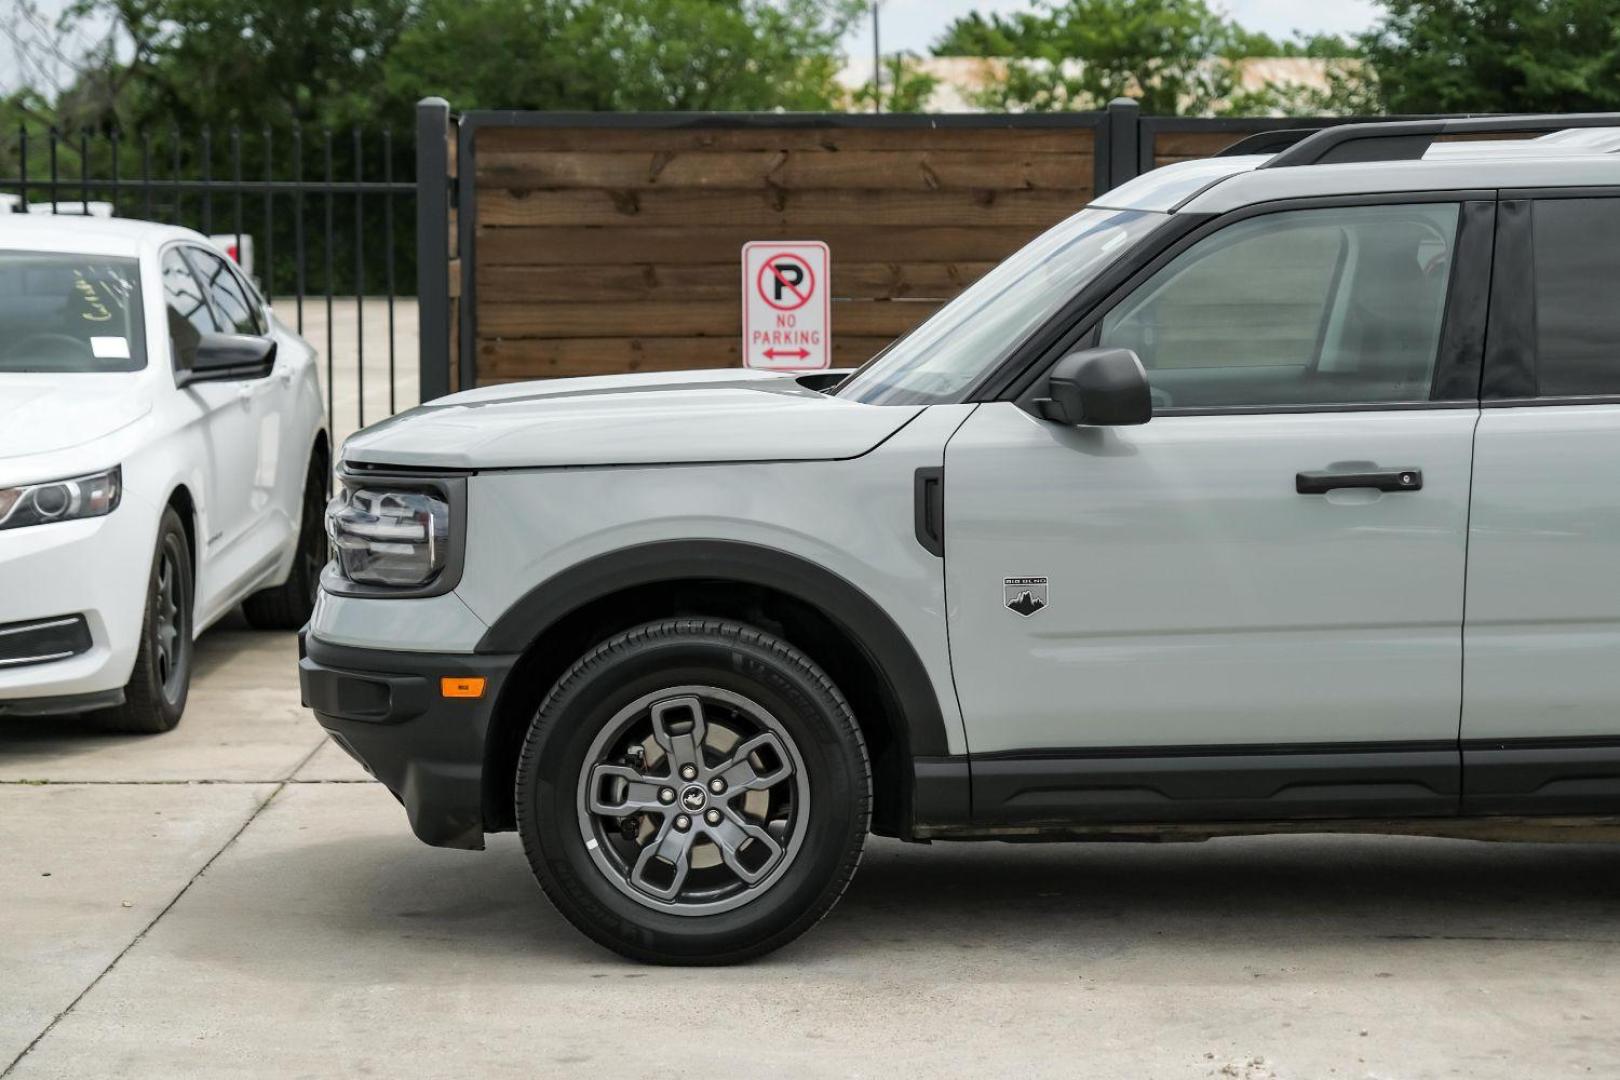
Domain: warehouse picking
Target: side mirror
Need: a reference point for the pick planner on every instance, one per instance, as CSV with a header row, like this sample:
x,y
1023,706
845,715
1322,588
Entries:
x,y
230,358
1101,387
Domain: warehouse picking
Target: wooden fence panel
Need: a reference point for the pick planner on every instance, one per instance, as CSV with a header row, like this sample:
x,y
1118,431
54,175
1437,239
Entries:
x,y
617,248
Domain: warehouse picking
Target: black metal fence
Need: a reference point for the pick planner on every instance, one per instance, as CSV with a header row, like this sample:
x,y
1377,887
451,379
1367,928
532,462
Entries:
x,y
322,221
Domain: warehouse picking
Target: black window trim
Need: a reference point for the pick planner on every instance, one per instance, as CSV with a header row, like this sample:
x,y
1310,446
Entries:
x,y
1509,379
261,306
1462,339
179,248
205,282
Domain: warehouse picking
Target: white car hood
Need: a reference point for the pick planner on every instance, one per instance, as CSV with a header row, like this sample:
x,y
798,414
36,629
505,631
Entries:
x,y
47,413
725,415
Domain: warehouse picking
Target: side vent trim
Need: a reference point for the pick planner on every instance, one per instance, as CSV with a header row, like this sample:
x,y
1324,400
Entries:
x,y
930,502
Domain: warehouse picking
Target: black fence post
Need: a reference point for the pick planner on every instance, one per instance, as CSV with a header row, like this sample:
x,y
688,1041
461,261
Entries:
x,y
1124,140
433,245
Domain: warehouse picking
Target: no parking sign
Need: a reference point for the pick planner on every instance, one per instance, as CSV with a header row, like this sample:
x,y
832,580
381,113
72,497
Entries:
x,y
787,306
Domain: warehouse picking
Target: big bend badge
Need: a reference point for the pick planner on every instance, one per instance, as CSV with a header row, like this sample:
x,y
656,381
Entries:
x,y
1025,595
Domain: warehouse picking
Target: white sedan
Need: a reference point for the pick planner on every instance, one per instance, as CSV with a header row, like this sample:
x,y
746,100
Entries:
x,y
163,458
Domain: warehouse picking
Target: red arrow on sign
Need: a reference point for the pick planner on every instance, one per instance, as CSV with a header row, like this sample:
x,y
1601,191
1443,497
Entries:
x,y
799,354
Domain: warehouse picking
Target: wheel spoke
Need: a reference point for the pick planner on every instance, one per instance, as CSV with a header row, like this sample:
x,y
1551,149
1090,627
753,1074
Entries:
x,y
671,846
733,832
684,747
741,775
653,795
638,792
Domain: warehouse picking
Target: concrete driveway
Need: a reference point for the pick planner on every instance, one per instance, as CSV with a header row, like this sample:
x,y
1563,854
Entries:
x,y
236,899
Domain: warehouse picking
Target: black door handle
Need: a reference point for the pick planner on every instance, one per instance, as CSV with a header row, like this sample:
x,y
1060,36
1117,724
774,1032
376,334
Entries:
x,y
1319,483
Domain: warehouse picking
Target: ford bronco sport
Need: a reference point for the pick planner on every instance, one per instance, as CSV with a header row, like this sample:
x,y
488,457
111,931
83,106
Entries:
x,y
1273,491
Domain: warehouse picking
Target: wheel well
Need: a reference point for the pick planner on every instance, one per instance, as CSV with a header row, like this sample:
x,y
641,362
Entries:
x,y
322,450
180,499
876,707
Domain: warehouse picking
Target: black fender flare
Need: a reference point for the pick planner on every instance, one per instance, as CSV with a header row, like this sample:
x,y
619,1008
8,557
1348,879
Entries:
x,y
857,615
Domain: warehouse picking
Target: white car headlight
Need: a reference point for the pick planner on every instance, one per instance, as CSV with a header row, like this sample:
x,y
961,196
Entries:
x,y
392,537
61,500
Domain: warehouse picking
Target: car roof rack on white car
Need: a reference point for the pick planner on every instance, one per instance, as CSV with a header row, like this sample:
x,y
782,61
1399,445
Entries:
x,y
1410,140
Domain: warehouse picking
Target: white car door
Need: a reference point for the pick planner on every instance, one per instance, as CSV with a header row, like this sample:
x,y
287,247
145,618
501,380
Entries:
x,y
225,413
269,524
1220,613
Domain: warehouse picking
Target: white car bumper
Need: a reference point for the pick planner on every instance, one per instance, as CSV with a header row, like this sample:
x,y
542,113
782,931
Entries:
x,y
96,568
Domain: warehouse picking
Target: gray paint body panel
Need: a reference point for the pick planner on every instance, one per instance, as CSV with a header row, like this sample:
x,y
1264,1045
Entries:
x,y
1195,598
653,419
854,518
1543,632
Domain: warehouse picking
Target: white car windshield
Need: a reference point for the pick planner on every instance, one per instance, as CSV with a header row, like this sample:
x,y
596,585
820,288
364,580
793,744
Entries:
x,y
70,313
973,333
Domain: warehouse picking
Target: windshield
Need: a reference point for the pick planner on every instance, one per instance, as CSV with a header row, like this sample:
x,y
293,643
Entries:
x,y
981,327
70,313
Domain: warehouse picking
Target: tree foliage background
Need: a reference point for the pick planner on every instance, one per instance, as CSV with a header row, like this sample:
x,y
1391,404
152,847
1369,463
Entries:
x,y
341,62
167,70
1496,55
335,63
1174,56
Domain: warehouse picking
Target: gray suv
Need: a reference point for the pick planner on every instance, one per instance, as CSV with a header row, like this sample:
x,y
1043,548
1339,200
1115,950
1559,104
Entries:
x,y
1270,492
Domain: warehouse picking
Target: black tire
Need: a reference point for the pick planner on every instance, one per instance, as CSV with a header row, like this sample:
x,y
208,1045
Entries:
x,y
733,659
155,696
288,606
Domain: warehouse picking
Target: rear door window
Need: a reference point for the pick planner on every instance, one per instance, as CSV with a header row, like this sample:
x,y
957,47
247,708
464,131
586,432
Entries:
x,y
1577,283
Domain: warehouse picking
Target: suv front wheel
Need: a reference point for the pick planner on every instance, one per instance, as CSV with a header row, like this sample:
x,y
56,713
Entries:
x,y
693,791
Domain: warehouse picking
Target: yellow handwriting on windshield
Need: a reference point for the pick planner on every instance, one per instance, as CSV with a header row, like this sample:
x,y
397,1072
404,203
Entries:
x,y
95,310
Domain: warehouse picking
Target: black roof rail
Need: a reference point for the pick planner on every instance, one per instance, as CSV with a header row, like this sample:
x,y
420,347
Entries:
x,y
1407,140
1267,142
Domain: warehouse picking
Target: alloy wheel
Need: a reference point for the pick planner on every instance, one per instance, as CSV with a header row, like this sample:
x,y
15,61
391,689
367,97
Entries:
x,y
693,800
168,620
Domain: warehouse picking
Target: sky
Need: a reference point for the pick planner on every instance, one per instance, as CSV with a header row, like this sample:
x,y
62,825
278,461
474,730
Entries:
x,y
912,25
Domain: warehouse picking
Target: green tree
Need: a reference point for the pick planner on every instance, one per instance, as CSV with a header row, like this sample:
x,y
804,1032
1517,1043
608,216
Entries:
x,y
1250,43
257,63
1079,54
906,87
623,54
997,35
1496,55
251,62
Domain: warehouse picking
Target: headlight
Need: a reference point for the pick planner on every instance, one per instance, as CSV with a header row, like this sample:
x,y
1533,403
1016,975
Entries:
x,y
61,500
388,536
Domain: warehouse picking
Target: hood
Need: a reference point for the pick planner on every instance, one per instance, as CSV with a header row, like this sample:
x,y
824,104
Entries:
x,y
47,413
723,415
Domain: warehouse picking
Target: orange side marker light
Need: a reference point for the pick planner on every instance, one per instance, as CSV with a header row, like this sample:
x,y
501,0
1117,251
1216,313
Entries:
x,y
451,687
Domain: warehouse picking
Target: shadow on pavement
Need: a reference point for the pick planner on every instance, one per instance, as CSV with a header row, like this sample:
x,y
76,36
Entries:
x,y
1229,897
242,721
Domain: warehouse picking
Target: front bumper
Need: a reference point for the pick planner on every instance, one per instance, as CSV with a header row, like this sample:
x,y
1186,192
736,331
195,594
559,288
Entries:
x,y
95,569
384,708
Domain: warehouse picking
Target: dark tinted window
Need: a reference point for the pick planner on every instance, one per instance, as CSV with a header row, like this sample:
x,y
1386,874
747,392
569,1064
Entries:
x,y
189,315
69,313
1577,265
232,299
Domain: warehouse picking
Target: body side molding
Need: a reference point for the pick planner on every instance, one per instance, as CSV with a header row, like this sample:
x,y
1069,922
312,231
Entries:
x,y
1216,783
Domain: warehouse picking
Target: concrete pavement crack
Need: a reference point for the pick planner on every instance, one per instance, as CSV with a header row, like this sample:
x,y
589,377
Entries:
x,y
147,929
